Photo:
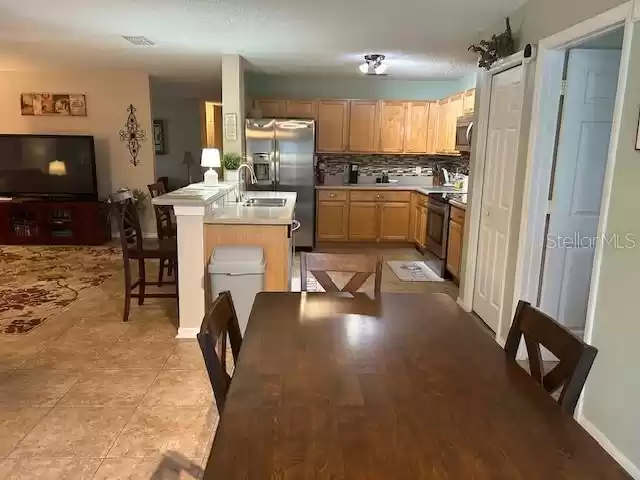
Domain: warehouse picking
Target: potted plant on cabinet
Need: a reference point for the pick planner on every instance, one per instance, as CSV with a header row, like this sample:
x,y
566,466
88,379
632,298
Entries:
x,y
231,162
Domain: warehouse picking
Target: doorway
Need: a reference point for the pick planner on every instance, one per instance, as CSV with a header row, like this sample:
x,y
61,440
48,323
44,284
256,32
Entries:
x,y
565,209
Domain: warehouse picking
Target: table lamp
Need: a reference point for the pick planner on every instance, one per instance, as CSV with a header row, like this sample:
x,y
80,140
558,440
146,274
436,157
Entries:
x,y
210,158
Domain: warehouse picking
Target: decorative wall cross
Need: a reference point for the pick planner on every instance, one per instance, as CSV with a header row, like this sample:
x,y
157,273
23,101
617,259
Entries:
x,y
132,135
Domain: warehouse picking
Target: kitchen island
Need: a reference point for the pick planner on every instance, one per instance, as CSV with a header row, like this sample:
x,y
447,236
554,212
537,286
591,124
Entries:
x,y
207,217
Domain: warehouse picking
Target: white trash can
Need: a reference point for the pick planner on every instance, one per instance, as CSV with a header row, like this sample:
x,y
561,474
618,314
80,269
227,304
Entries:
x,y
241,271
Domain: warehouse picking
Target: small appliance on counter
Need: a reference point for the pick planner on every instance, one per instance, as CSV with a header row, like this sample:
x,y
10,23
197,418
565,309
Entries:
x,y
321,168
354,172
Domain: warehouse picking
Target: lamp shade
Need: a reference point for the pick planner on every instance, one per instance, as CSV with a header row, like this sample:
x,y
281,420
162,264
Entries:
x,y
210,157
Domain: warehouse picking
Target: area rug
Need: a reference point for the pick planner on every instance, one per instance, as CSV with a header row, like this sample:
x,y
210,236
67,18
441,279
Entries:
x,y
36,283
413,271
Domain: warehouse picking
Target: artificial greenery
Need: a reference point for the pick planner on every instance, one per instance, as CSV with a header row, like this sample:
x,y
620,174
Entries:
x,y
499,46
139,199
231,161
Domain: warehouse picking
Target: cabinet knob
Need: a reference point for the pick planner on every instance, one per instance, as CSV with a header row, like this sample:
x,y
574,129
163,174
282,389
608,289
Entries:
x,y
332,195
378,196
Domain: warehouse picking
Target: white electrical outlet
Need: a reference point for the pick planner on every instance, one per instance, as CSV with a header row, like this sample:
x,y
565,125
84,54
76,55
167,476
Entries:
x,y
418,170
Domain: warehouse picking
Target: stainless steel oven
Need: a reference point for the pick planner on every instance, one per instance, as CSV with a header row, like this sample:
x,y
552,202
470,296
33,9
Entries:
x,y
438,212
464,133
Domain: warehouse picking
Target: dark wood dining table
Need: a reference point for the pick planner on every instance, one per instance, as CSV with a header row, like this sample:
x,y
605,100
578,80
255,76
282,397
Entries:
x,y
407,386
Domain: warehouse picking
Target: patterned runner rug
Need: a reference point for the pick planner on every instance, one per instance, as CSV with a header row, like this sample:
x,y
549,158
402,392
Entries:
x,y
38,282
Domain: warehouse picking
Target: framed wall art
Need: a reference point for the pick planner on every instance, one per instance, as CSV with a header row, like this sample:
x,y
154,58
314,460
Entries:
x,y
230,126
57,104
159,139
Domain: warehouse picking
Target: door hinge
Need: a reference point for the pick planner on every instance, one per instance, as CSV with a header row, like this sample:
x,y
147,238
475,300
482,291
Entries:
x,y
549,205
564,84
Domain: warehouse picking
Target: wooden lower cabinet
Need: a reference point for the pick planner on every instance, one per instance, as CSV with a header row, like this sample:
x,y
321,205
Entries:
x,y
421,226
332,222
454,245
394,221
363,221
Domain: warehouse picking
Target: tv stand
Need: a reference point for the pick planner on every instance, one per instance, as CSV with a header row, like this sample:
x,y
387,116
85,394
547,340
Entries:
x,y
37,221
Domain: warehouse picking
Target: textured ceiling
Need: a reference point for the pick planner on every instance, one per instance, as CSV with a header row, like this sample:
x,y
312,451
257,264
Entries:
x,y
423,39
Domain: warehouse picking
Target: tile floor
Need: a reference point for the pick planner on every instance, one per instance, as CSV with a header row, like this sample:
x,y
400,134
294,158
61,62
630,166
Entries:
x,y
87,396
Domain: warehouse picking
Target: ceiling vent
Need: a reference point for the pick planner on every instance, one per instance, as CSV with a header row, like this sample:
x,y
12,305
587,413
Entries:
x,y
139,41
373,65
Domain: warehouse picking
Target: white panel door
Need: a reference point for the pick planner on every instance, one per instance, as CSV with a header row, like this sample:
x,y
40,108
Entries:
x,y
583,145
503,135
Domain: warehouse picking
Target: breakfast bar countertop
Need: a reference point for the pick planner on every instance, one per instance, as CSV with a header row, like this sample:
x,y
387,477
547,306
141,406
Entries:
x,y
240,214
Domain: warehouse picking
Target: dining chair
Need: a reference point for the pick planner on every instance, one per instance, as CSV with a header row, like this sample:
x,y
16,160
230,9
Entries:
x,y
133,248
165,225
574,355
361,266
219,322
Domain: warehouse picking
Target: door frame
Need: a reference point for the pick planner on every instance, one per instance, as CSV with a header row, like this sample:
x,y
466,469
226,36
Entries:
x,y
527,59
539,163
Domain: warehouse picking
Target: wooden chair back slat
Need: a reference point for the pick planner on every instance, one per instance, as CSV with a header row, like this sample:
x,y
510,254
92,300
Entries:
x,y
362,267
575,357
126,215
164,220
220,322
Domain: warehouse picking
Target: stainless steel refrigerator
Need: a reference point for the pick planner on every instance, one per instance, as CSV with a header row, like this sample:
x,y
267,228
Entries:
x,y
282,152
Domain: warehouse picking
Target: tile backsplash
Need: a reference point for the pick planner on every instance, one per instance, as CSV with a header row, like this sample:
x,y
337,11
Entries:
x,y
395,165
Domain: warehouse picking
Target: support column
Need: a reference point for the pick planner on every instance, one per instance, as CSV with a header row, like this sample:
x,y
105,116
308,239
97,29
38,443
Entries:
x,y
191,269
233,104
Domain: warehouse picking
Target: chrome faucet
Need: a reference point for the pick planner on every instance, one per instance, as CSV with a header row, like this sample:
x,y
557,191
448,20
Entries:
x,y
254,180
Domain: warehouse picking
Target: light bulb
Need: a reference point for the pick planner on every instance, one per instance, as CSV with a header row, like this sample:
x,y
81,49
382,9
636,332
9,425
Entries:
x,y
364,68
380,69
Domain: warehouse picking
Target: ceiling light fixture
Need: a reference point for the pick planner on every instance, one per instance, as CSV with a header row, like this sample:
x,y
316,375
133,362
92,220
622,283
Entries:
x,y
373,65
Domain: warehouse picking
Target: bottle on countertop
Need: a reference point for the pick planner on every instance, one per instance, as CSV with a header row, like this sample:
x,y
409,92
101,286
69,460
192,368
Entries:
x,y
321,168
385,176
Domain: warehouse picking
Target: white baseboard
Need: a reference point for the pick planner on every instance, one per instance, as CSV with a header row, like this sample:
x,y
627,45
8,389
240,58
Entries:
x,y
601,438
463,305
190,333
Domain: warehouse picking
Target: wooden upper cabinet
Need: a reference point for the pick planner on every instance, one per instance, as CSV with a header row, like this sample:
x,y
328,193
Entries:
x,y
301,109
469,101
443,119
332,125
271,108
363,126
432,127
417,129
393,123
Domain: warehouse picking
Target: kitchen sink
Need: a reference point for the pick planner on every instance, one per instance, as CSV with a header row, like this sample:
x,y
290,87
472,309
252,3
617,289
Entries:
x,y
265,202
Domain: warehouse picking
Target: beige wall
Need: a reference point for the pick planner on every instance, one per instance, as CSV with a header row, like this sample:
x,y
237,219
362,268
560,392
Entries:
x,y
108,95
538,19
612,394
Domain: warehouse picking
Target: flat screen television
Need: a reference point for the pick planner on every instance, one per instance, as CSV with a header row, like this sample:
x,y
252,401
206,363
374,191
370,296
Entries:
x,y
49,166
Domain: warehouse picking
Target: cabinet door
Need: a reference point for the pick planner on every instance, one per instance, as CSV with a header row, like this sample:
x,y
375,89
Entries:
x,y
363,126
456,109
416,224
393,120
443,113
271,108
363,221
469,101
454,249
332,125
394,221
417,131
432,128
301,109
332,223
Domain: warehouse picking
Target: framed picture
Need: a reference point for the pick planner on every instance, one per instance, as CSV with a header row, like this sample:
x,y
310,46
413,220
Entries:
x,y
57,104
230,126
159,143
638,135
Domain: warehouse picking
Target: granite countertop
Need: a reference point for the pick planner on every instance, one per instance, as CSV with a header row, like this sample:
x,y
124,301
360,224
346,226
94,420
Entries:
x,y
238,214
195,195
391,186
459,201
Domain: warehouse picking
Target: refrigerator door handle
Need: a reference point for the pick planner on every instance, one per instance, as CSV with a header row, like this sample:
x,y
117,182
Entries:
x,y
277,166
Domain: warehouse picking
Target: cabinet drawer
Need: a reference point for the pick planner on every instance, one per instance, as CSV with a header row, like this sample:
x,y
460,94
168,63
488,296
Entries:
x,y
379,196
457,215
332,195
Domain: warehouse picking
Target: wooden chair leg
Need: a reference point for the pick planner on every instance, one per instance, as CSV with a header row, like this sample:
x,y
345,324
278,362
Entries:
x,y
127,290
161,271
143,280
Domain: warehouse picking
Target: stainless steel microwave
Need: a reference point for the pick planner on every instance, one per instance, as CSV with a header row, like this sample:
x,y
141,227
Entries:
x,y
464,133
